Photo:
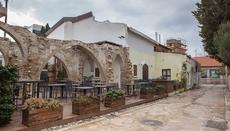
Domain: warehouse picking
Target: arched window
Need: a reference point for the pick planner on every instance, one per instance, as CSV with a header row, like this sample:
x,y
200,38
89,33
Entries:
x,y
97,72
135,70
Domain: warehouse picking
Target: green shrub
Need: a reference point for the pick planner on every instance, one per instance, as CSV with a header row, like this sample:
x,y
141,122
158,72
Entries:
x,y
39,103
150,89
159,88
115,93
85,99
8,75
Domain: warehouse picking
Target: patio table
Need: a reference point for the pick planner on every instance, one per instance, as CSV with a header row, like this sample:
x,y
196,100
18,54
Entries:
x,y
56,85
31,84
84,88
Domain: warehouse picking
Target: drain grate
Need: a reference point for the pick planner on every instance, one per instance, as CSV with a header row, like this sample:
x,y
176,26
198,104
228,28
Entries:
x,y
222,125
111,116
152,122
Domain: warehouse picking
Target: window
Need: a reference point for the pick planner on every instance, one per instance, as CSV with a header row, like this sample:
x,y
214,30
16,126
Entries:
x,y
135,70
166,74
97,72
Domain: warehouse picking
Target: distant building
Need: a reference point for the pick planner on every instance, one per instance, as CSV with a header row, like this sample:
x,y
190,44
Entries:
x,y
35,28
210,67
177,46
162,48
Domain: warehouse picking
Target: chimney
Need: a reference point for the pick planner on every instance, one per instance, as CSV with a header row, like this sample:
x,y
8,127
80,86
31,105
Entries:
x,y
160,38
156,36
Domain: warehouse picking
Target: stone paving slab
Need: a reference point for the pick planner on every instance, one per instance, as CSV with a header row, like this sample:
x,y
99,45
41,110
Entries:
x,y
189,111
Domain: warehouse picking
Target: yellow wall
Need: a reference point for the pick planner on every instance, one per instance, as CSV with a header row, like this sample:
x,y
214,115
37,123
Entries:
x,y
169,61
140,58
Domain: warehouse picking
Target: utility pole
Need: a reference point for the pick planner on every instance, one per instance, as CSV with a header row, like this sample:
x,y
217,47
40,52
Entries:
x,y
6,6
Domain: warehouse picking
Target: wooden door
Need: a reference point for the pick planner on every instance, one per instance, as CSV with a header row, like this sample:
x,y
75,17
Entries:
x,y
145,72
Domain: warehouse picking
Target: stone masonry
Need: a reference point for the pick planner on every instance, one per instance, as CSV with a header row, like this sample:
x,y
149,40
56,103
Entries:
x,y
31,53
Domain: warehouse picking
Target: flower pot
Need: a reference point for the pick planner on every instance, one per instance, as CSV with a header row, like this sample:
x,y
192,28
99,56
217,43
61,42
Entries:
x,y
111,103
41,116
147,94
82,108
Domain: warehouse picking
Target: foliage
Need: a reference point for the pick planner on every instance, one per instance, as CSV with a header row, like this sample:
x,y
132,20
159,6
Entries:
x,y
210,14
184,67
8,75
39,103
150,89
183,82
61,75
85,99
115,93
159,88
222,43
44,29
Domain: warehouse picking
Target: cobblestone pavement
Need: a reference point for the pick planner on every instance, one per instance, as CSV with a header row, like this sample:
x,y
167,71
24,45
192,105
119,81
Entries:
x,y
197,110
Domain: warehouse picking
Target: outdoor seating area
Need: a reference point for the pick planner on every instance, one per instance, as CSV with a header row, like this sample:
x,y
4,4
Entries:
x,y
74,99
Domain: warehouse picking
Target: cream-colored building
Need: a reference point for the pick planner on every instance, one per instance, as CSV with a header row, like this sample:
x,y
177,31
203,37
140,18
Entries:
x,y
85,28
170,66
147,62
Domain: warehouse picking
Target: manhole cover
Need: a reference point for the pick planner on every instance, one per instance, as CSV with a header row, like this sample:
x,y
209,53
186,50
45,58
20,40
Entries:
x,y
111,116
152,122
222,125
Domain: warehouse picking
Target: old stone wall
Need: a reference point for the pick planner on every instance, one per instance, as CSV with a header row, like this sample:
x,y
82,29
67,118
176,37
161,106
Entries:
x,y
31,53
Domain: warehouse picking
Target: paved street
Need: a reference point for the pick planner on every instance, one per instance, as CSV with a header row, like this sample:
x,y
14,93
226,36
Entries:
x,y
197,110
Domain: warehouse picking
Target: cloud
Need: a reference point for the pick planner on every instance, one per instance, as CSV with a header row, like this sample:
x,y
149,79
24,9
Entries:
x,y
23,18
171,18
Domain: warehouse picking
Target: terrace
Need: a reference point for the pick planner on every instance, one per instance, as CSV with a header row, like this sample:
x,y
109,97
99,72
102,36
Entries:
x,y
66,92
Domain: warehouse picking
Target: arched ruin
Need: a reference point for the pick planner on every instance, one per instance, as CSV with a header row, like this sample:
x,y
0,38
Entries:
x,y
31,53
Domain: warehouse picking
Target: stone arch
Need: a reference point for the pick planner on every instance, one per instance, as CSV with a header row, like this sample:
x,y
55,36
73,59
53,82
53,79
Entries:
x,y
62,61
82,47
117,70
4,56
88,67
6,28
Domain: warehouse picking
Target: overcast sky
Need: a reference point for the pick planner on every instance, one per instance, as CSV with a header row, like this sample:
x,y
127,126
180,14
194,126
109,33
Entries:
x,y
171,18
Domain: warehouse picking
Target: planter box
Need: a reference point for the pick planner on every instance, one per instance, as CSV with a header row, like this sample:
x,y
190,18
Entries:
x,y
111,103
169,85
160,96
41,116
145,94
81,109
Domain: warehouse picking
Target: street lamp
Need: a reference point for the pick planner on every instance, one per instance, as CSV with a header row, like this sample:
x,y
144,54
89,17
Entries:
x,y
6,6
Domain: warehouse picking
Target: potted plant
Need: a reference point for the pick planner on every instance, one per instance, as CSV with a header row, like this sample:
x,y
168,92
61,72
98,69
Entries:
x,y
147,92
115,98
161,91
85,105
37,111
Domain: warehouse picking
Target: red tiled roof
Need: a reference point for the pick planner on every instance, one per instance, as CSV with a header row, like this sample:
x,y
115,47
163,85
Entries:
x,y
206,61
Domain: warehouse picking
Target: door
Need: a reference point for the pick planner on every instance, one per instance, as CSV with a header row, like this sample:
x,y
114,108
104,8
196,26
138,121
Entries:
x,y
145,72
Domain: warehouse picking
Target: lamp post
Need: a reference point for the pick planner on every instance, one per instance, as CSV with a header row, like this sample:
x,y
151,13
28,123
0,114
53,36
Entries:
x,y
6,6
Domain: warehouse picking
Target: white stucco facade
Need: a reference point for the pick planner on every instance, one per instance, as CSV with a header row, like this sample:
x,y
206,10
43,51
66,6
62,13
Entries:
x,y
89,30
